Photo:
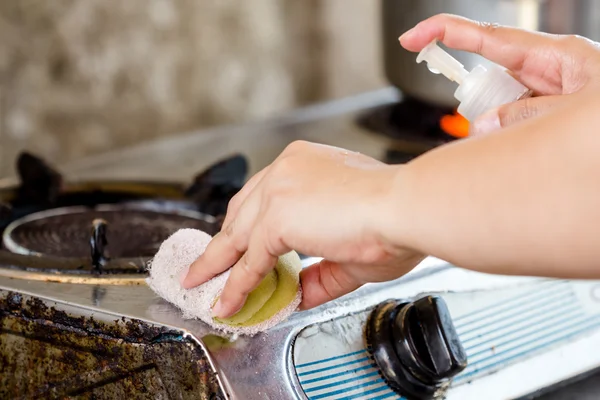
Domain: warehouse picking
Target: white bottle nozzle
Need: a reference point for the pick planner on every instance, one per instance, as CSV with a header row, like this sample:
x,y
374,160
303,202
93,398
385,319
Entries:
x,y
479,90
438,61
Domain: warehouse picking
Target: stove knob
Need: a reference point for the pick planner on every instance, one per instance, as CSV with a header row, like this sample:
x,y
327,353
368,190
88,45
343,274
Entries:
x,y
415,346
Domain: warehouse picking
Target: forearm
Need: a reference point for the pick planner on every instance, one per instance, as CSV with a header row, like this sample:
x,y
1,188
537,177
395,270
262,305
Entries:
x,y
524,201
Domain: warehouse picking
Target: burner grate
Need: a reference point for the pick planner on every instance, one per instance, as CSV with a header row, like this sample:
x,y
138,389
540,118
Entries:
x,y
408,121
61,230
72,232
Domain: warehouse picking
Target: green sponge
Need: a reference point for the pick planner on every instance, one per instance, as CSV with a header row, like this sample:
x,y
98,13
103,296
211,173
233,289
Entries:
x,y
275,292
255,301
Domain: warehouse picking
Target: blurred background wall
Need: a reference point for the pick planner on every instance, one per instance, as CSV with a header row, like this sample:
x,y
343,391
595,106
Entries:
x,y
81,77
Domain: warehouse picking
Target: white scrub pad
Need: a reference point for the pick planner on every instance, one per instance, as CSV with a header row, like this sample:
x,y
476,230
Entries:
x,y
273,301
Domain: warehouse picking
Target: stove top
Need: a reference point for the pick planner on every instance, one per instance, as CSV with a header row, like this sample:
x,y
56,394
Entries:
x,y
78,320
53,224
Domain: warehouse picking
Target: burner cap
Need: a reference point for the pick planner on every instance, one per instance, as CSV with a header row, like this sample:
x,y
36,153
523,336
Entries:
x,y
71,232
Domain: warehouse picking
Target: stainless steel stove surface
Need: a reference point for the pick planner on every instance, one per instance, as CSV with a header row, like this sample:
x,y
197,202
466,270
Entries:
x,y
77,319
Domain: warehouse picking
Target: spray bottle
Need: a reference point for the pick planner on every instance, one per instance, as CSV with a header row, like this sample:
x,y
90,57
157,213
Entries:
x,y
480,90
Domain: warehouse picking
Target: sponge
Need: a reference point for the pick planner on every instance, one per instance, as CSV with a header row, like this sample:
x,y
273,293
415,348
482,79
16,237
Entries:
x,y
273,301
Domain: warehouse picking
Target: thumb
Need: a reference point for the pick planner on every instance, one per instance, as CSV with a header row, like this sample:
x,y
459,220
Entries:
x,y
512,113
325,281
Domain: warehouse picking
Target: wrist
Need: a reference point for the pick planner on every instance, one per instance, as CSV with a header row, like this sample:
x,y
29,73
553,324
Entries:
x,y
399,217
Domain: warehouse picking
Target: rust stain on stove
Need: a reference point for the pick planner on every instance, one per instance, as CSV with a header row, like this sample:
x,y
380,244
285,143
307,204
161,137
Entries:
x,y
48,353
124,279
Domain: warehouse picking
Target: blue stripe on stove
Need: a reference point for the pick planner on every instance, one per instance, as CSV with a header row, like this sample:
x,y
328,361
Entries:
x,y
350,371
533,307
525,315
491,332
388,396
338,383
576,320
368,392
345,364
509,304
331,359
350,388
518,326
594,323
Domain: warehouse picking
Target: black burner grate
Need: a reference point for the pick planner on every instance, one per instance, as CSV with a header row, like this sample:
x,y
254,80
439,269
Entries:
x,y
51,224
408,121
68,232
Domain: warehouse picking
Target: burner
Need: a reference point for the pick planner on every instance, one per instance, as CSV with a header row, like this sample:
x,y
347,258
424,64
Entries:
x,y
50,224
413,126
126,233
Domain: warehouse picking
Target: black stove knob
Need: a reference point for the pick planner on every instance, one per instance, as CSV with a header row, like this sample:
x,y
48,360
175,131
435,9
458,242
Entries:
x,y
415,346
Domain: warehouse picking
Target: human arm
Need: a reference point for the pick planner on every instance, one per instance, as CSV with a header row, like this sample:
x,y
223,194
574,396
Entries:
x,y
524,200
520,201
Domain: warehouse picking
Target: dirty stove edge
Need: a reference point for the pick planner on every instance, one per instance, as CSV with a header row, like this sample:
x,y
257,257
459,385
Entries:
x,y
268,354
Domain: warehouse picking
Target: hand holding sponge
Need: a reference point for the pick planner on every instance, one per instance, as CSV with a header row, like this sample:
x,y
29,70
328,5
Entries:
x,y
274,300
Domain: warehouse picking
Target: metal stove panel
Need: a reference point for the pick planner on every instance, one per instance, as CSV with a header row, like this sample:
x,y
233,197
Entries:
x,y
498,329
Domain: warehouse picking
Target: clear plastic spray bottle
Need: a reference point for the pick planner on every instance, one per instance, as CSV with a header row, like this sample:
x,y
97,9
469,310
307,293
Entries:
x,y
480,90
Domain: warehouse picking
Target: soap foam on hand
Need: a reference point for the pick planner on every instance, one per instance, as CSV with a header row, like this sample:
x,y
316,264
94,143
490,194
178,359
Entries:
x,y
273,301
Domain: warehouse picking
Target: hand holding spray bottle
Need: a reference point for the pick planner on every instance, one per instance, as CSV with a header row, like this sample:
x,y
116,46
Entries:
x,y
480,90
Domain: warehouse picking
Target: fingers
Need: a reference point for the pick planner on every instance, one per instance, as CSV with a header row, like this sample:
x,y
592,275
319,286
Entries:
x,y
220,254
512,113
247,245
247,274
239,198
526,53
503,45
325,281
226,248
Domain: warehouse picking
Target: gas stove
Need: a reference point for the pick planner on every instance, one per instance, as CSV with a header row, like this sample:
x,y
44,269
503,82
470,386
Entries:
x,y
78,320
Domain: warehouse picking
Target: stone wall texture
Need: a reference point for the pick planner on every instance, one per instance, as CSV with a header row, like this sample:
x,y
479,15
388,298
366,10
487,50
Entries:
x,y
82,77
